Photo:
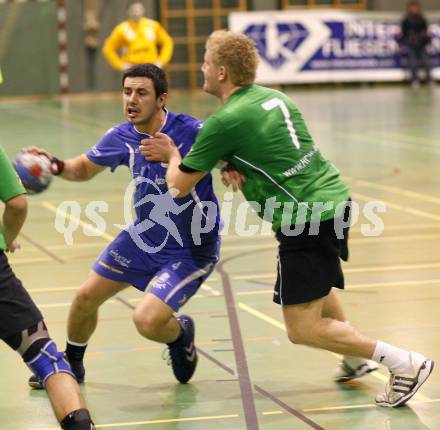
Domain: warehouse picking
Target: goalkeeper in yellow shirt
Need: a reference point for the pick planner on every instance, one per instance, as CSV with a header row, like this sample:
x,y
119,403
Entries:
x,y
138,40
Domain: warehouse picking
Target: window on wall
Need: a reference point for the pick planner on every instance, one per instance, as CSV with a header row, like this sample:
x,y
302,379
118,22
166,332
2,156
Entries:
x,y
189,23
353,4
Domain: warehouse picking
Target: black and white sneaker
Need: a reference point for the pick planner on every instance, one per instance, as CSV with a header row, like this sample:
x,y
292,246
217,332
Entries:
x,y
352,368
183,353
402,386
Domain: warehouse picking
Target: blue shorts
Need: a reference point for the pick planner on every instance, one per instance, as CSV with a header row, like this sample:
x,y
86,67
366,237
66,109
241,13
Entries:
x,y
178,276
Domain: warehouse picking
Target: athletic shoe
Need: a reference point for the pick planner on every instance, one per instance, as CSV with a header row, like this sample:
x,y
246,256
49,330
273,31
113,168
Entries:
x,y
182,353
352,368
402,386
77,368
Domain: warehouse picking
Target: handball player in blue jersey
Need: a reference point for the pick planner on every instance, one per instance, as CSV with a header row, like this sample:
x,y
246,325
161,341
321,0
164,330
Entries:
x,y
174,241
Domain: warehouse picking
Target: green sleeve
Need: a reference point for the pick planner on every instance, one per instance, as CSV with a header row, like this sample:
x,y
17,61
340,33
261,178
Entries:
x,y
10,184
212,145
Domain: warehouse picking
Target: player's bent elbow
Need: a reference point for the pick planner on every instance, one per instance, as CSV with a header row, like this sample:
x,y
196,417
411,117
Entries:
x,y
18,204
177,190
181,194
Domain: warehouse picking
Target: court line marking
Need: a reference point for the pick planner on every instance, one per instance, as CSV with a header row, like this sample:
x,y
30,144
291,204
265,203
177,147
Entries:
x,y
406,138
394,144
281,326
415,226
396,206
241,365
54,209
269,275
360,406
41,248
432,282
17,261
358,240
209,289
364,269
110,301
396,190
164,421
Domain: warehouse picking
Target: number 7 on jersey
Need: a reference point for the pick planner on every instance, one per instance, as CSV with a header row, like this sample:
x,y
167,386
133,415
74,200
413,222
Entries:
x,y
278,103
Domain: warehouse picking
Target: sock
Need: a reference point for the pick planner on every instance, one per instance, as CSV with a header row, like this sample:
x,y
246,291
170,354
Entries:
x,y
180,337
77,420
75,351
396,359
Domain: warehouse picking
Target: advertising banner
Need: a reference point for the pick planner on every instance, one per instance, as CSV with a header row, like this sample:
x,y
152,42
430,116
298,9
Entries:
x,y
329,46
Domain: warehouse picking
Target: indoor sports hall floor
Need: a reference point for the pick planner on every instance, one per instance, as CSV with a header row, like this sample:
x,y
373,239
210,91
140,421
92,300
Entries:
x,y
385,141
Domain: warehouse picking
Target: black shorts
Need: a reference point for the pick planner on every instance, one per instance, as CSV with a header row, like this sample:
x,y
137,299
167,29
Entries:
x,y
309,265
17,309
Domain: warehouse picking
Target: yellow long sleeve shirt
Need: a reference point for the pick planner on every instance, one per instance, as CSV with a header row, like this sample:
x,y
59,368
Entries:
x,y
137,42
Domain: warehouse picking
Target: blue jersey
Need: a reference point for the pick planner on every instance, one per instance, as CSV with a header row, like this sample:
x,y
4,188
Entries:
x,y
189,225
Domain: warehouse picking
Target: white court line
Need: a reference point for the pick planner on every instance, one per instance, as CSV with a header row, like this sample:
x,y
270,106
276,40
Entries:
x,y
418,226
164,421
395,190
272,275
365,269
54,209
28,248
340,408
18,261
396,206
212,291
364,406
430,282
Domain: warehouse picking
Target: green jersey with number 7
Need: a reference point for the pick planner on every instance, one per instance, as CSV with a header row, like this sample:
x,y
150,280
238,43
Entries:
x,y
262,134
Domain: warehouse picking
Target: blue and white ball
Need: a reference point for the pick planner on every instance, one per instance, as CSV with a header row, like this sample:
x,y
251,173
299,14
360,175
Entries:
x,y
34,171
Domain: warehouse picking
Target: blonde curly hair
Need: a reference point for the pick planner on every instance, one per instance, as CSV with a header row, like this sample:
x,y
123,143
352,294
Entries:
x,y
235,51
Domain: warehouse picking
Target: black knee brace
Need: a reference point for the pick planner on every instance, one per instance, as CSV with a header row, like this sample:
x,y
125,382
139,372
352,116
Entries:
x,y
78,420
39,352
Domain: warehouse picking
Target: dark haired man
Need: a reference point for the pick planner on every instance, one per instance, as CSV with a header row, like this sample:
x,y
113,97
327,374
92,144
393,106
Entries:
x,y
162,242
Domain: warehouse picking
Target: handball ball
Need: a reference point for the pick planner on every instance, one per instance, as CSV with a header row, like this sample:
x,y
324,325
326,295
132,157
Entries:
x,y
34,171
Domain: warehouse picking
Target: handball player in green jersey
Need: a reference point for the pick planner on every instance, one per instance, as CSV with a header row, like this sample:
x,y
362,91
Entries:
x,y
273,159
21,323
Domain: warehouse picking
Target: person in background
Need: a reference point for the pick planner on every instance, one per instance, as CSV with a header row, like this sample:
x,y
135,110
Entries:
x,y
415,39
138,40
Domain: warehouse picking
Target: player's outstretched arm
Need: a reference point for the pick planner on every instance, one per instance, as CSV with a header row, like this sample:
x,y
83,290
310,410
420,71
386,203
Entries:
x,y
79,169
76,169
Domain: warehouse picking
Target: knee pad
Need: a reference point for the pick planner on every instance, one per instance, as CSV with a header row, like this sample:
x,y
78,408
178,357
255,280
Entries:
x,y
23,340
49,361
78,420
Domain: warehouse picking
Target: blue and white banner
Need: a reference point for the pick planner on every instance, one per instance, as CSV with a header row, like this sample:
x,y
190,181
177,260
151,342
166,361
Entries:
x,y
327,45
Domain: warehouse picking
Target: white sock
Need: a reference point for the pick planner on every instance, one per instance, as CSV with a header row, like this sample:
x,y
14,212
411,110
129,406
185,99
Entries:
x,y
70,342
396,359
